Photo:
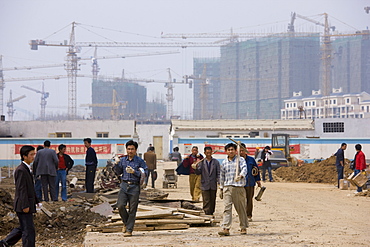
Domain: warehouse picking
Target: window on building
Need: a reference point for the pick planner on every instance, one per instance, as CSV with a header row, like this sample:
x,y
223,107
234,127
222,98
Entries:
x,y
334,127
60,134
334,101
367,108
287,105
102,134
347,101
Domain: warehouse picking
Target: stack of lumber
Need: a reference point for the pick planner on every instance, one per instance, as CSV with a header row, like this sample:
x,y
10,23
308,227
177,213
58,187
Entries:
x,y
150,218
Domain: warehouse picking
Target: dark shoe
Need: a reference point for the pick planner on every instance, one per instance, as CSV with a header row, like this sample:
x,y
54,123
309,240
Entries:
x,y
127,234
224,232
243,231
4,244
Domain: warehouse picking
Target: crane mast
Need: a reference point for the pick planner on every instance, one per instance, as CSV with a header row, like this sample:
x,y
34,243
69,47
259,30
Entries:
x,y
10,102
44,96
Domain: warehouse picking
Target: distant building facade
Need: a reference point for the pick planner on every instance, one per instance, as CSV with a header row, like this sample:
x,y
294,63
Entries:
x,y
336,105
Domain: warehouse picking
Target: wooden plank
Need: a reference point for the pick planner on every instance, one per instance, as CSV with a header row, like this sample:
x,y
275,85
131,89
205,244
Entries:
x,y
111,192
169,221
189,211
153,214
46,211
171,227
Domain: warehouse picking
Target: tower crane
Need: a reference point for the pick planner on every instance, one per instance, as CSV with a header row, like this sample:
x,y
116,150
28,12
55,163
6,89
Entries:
x,y
10,102
44,96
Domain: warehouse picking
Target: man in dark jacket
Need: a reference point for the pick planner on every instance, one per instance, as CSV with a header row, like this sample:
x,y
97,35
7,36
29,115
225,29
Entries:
x,y
46,165
151,161
251,180
25,201
194,179
209,169
266,163
339,162
64,165
91,162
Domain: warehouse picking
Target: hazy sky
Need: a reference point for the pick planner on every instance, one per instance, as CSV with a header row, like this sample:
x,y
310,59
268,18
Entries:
x,y
140,21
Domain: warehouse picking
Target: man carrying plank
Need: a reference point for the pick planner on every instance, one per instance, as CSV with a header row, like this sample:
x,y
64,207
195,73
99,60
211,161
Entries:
x,y
233,171
194,179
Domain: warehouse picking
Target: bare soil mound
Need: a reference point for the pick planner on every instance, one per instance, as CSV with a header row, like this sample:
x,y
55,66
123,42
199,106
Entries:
x,y
319,172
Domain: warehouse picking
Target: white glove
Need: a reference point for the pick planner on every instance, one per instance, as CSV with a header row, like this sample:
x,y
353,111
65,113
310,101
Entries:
x,y
129,169
238,178
194,165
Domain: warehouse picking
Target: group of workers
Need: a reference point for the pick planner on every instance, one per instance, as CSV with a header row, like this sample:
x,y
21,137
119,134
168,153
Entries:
x,y
234,176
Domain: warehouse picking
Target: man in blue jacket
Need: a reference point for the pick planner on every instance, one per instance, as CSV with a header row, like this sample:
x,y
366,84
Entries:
x,y
251,180
133,170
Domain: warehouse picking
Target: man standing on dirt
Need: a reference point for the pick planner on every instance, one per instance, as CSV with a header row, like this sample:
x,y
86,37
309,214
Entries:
x,y
25,201
266,163
46,165
251,180
64,165
340,161
209,169
194,179
133,170
232,190
91,162
151,161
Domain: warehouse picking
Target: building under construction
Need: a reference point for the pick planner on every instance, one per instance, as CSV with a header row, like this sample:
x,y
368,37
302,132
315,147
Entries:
x,y
121,99
207,88
257,75
351,63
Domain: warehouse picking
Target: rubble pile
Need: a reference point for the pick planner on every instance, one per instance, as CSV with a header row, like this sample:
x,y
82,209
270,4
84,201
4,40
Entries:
x,y
318,172
57,223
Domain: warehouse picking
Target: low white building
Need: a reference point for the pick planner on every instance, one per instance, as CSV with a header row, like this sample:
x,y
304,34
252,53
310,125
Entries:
x,y
336,105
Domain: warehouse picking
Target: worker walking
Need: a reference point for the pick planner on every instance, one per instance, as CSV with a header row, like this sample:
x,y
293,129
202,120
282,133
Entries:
x,y
91,163
266,163
151,161
194,179
25,201
133,170
251,180
209,169
232,190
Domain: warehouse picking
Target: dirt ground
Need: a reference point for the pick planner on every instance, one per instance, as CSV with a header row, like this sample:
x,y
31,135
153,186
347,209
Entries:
x,y
290,214
302,208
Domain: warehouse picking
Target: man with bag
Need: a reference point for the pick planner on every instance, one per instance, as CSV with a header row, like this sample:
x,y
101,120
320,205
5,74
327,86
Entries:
x,y
359,162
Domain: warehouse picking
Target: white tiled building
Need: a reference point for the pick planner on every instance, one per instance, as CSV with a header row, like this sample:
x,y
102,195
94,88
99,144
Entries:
x,y
336,105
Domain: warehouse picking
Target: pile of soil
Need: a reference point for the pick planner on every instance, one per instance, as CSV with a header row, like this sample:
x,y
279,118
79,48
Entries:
x,y
319,172
66,226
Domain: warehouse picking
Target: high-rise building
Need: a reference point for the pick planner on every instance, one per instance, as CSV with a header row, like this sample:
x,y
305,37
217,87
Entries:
x,y
132,97
257,75
351,63
207,88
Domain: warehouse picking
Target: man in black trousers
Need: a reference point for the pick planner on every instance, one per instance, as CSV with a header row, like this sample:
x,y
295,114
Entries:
x,y
91,162
25,201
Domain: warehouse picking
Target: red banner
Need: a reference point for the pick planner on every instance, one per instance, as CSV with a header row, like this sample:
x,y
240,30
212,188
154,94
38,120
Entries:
x,y
74,149
294,149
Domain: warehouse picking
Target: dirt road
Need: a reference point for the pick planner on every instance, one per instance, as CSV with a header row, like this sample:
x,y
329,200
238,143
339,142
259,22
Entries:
x,y
290,214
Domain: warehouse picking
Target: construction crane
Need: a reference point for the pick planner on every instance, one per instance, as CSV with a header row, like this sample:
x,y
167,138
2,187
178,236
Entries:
x,y
44,96
75,47
115,105
10,102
